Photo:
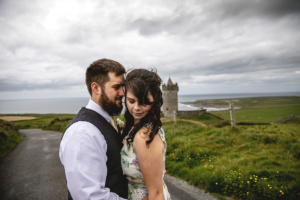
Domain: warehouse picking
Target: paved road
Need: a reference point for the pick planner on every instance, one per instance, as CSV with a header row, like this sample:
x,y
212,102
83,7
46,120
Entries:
x,y
32,170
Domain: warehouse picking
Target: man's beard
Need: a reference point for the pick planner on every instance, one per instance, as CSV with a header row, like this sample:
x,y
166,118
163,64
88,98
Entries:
x,y
111,107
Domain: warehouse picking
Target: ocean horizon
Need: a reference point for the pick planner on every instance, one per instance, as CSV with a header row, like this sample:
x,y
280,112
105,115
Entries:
x,y
73,105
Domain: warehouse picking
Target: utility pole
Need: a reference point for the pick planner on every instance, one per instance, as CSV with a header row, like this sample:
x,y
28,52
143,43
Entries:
x,y
175,117
232,117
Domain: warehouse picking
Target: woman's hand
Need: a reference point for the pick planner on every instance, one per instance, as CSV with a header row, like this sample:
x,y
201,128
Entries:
x,y
145,198
151,163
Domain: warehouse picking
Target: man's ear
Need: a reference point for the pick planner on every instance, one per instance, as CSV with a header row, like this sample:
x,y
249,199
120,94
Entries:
x,y
96,88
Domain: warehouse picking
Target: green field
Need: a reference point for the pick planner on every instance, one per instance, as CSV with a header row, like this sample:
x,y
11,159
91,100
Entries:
x,y
42,121
248,162
266,115
207,119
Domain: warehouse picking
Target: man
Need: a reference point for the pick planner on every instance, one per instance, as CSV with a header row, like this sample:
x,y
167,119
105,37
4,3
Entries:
x,y
90,147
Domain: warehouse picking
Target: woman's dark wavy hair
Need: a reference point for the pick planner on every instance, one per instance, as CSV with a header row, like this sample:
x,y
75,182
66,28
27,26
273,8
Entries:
x,y
139,82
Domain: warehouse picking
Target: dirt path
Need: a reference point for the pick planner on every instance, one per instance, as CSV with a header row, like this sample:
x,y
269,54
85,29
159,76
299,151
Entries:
x,y
185,120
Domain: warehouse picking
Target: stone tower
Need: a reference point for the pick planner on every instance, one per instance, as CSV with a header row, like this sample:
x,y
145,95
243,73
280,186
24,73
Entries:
x,y
170,98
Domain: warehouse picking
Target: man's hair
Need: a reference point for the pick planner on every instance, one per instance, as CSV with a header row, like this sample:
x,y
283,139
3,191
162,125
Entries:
x,y
98,72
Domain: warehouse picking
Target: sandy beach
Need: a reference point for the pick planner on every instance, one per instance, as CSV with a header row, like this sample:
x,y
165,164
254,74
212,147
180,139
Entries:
x,y
16,118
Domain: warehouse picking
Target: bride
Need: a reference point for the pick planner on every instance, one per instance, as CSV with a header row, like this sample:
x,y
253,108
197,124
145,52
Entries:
x,y
144,150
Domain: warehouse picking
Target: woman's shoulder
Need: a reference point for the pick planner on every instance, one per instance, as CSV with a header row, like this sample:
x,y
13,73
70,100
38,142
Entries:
x,y
143,135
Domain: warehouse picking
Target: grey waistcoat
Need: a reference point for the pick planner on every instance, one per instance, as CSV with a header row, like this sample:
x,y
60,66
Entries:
x,y
115,180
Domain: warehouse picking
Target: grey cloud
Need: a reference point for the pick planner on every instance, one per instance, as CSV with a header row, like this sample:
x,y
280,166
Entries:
x,y
201,38
267,8
184,20
172,24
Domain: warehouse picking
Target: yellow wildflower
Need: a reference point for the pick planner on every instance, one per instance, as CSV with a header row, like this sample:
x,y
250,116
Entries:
x,y
216,183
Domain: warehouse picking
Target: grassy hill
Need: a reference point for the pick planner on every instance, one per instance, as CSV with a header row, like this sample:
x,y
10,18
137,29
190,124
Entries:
x,y
9,137
266,115
248,162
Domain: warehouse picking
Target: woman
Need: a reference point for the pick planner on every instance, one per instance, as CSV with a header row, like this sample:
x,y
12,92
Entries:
x,y
144,150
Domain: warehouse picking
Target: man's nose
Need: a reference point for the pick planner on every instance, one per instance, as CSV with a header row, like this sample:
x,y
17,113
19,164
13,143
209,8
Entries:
x,y
121,92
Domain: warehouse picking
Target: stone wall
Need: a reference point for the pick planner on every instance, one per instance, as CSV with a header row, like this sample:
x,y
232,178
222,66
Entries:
x,y
190,112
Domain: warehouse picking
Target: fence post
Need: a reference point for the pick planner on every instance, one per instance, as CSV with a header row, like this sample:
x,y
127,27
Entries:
x,y
232,117
175,117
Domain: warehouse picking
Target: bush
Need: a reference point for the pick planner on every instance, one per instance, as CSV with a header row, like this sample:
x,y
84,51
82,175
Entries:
x,y
9,137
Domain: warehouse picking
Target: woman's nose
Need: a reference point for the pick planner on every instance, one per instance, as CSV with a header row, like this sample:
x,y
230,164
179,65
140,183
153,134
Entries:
x,y
136,106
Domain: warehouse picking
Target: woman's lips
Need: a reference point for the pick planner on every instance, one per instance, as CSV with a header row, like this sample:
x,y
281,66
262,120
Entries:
x,y
137,114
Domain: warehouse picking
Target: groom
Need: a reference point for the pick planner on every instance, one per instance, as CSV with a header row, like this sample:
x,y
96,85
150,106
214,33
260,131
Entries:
x,y
90,147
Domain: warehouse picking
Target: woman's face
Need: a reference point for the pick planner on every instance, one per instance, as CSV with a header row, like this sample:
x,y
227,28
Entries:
x,y
137,110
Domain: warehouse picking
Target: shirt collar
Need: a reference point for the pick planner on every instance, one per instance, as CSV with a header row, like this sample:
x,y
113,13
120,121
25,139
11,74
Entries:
x,y
95,107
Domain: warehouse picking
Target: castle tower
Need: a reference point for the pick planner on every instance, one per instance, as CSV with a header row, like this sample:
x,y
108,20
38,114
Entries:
x,y
170,98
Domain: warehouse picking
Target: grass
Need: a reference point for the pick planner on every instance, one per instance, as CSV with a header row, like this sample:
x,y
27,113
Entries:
x,y
294,120
248,162
207,119
9,137
266,115
42,122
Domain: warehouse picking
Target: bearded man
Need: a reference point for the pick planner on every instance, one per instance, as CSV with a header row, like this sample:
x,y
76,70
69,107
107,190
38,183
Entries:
x,y
90,147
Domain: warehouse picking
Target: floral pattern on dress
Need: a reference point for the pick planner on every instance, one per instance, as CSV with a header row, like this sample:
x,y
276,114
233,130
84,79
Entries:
x,y
130,165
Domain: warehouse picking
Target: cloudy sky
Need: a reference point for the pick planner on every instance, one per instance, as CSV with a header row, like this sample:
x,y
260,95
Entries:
x,y
216,46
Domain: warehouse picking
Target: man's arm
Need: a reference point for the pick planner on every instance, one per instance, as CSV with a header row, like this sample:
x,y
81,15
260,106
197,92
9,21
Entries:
x,y
83,154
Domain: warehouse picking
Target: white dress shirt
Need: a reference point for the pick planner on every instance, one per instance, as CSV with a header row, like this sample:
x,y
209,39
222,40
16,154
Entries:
x,y
83,154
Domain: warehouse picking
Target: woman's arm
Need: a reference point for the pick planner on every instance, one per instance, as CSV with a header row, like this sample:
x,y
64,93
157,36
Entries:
x,y
150,160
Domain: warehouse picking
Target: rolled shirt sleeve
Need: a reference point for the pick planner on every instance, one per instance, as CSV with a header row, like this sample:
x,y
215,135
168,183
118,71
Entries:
x,y
83,154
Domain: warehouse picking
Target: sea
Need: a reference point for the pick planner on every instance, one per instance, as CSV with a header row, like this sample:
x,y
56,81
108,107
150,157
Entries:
x,y
73,105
